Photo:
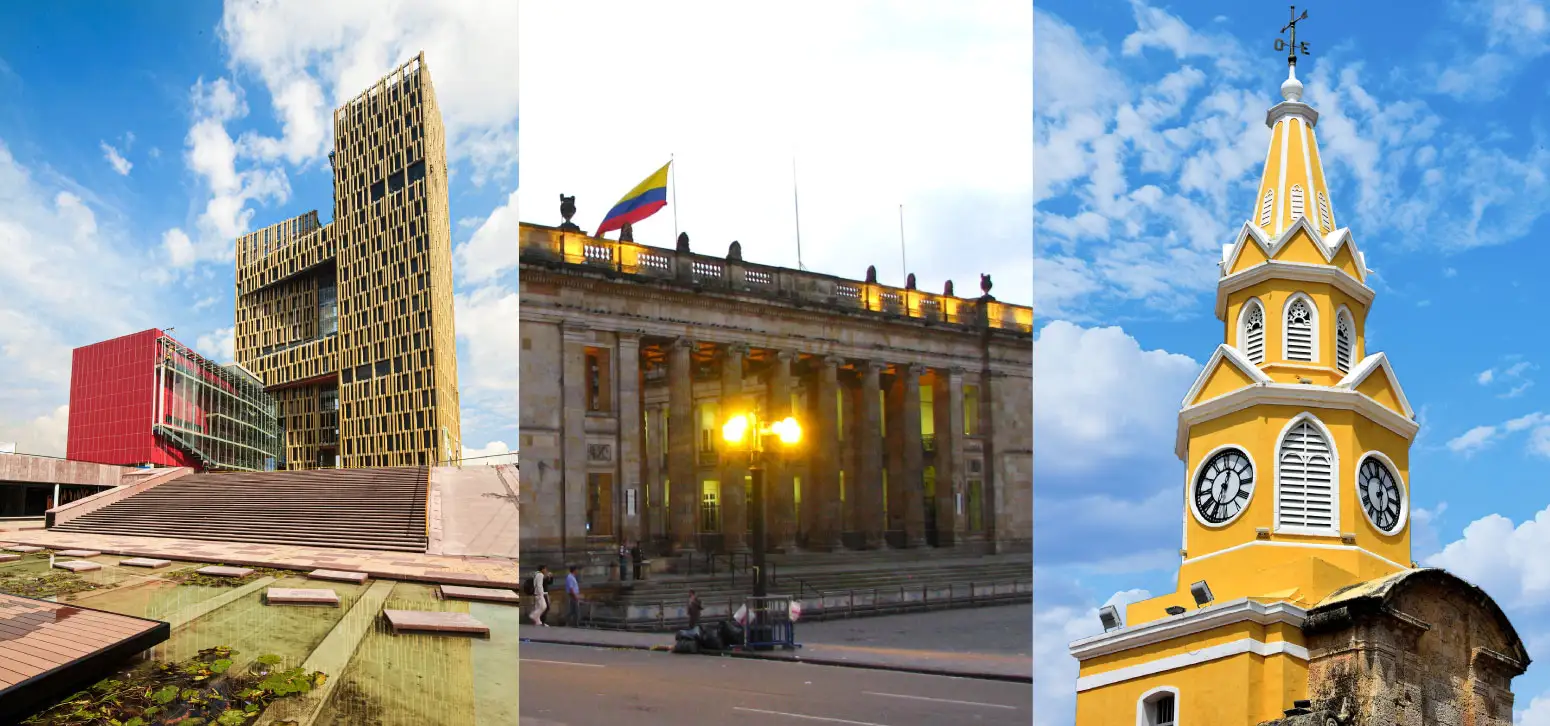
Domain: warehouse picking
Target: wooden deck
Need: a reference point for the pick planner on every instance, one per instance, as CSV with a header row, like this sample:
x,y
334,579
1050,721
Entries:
x,y
50,650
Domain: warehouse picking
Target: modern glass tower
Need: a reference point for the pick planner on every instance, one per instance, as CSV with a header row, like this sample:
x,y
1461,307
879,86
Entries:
x,y
349,323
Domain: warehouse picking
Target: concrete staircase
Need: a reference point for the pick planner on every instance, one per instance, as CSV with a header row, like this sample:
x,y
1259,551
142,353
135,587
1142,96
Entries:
x,y
846,585
376,509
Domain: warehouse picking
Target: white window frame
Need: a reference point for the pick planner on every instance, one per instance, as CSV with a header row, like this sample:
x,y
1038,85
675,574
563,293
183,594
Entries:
x,y
1144,719
1286,329
1334,474
1243,329
1189,485
1344,313
1404,493
1297,203
1267,206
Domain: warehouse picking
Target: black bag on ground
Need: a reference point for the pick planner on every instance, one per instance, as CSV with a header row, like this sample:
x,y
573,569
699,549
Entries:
x,y
686,641
731,633
710,638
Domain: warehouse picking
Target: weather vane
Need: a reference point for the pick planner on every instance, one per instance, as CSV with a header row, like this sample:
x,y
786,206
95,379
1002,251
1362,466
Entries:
x,y
1292,47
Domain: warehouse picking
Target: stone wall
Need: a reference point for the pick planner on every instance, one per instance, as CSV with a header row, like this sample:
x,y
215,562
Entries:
x,y
25,469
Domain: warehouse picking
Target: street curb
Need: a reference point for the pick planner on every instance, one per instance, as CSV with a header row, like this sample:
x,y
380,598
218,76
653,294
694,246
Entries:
x,y
1007,678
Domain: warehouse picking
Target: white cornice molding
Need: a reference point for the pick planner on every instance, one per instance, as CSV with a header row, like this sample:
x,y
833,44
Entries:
x,y
1188,623
1194,657
1239,361
1329,245
1371,363
1304,545
1295,109
1283,270
1290,394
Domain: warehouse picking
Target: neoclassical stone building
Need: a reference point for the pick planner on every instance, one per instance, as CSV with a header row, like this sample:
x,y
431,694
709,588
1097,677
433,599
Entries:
x,y
916,407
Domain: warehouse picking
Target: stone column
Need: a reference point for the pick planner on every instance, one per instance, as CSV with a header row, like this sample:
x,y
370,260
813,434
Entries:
x,y
951,496
893,456
683,489
913,485
825,471
869,457
780,503
631,438
573,440
654,517
734,464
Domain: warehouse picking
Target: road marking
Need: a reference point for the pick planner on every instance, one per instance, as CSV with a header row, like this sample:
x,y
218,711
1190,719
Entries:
x,y
562,662
942,700
804,716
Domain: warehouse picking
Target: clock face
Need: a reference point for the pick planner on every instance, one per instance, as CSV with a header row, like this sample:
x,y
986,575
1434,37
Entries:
x,y
1224,486
1380,494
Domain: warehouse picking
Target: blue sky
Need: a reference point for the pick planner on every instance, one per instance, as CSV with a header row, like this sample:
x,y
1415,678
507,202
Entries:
x,y
1149,138
137,140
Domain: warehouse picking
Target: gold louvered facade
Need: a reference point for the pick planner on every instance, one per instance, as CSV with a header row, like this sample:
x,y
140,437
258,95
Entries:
x,y
349,323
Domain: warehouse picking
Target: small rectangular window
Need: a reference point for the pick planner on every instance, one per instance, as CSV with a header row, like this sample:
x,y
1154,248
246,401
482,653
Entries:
x,y
377,191
417,171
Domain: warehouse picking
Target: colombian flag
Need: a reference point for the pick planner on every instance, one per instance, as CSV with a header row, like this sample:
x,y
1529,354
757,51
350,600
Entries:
x,y
643,201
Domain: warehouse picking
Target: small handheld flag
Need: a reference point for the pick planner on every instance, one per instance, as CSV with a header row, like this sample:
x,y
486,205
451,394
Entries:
x,y
641,202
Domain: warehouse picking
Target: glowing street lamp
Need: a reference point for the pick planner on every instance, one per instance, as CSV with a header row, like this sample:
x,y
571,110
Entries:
x,y
745,431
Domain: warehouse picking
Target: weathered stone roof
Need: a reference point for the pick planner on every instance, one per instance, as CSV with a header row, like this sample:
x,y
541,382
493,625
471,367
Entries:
x,y
1341,606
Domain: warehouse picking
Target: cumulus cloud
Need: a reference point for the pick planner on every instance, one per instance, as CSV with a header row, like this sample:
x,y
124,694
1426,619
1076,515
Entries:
x,y
493,248
115,159
218,345
495,452
1505,559
1054,676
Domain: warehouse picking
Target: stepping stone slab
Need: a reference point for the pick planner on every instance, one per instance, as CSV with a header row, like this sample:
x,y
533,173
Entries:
x,y
144,562
434,622
78,566
490,594
9,558
24,548
220,571
79,553
301,596
338,576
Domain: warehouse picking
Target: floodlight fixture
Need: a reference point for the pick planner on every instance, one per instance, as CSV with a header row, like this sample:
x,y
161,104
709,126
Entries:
x,y
1109,616
1174,610
1202,593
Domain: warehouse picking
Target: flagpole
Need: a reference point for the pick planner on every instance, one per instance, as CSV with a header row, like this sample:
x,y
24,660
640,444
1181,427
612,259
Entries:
x,y
796,207
902,260
673,175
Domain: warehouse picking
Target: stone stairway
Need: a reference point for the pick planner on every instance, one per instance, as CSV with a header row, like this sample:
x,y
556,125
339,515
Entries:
x,y
376,509
839,586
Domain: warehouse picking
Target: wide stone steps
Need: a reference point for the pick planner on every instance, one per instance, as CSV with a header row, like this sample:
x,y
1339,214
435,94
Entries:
x,y
378,509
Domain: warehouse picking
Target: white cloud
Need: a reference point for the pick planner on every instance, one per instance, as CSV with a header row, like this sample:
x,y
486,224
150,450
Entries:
x,y
872,108
116,160
493,248
1054,677
1537,713
205,302
1472,440
489,343
1479,437
1098,396
312,57
1507,561
219,345
1485,376
44,435
495,452
180,250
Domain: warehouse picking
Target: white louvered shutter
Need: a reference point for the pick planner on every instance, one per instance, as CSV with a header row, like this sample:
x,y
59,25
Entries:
x,y
1267,206
1254,333
1305,484
1345,341
1296,201
1325,217
1299,331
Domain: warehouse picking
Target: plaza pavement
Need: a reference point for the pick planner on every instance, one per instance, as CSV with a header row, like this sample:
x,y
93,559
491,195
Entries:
x,y
992,643
407,566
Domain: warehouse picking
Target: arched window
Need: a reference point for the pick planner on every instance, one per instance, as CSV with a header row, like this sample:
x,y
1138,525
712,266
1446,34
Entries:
x,y
1251,331
1267,206
1158,707
1305,479
1325,217
1301,323
1297,209
1345,340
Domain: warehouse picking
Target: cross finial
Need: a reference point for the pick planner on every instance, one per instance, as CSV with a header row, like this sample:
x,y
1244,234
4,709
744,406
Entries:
x,y
1292,46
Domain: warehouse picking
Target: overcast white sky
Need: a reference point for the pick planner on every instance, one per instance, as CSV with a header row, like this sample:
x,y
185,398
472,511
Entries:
x,y
927,104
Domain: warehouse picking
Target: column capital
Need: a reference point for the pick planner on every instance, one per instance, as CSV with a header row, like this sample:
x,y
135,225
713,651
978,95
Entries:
x,y
913,369
831,361
785,356
739,349
630,337
957,371
873,366
684,343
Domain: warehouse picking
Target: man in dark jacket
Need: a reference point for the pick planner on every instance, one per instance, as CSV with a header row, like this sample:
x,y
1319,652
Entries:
x,y
695,606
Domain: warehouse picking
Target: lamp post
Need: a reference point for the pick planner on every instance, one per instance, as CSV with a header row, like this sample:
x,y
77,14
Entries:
x,y
746,432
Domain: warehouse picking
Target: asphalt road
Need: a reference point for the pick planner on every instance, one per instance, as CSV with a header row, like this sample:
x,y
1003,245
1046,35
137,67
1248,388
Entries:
x,y
575,686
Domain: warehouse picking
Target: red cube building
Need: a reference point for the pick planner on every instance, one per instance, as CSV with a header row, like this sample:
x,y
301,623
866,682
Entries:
x,y
146,399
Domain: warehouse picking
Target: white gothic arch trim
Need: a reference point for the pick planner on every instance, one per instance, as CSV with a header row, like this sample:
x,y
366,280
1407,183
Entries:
x,y
1345,355
1306,478
1314,332
1145,719
1253,349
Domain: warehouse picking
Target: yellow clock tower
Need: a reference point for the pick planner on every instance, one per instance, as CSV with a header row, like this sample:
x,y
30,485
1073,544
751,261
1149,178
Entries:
x,y
1295,440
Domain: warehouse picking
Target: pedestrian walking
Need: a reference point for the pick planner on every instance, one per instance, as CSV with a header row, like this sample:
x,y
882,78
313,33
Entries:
x,y
538,588
695,606
573,595
637,558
